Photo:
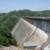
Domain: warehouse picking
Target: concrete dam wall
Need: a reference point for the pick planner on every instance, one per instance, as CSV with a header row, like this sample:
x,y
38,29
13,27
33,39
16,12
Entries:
x,y
25,32
42,24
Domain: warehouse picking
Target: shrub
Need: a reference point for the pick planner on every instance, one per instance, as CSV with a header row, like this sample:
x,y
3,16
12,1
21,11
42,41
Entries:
x,y
7,39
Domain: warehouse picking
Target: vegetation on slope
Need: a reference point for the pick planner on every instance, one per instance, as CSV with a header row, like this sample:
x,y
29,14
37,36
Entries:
x,y
29,13
6,25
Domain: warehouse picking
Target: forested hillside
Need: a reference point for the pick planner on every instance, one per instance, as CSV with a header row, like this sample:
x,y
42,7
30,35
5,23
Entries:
x,y
29,13
8,20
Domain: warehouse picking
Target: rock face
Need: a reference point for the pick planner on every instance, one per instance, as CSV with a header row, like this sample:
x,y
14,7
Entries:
x,y
9,48
13,48
16,48
25,32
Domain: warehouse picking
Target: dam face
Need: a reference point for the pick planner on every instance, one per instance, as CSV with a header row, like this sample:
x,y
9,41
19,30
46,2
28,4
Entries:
x,y
42,24
25,32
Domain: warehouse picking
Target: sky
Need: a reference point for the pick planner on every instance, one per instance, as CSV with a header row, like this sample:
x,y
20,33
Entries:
x,y
34,5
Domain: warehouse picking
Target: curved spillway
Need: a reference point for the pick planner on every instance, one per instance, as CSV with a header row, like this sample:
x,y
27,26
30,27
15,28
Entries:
x,y
26,32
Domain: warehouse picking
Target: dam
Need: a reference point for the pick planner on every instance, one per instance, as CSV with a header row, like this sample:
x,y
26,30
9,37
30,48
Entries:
x,y
27,34
41,22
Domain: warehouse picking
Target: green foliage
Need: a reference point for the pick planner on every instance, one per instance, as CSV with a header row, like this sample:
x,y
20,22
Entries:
x,y
6,25
21,13
7,39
